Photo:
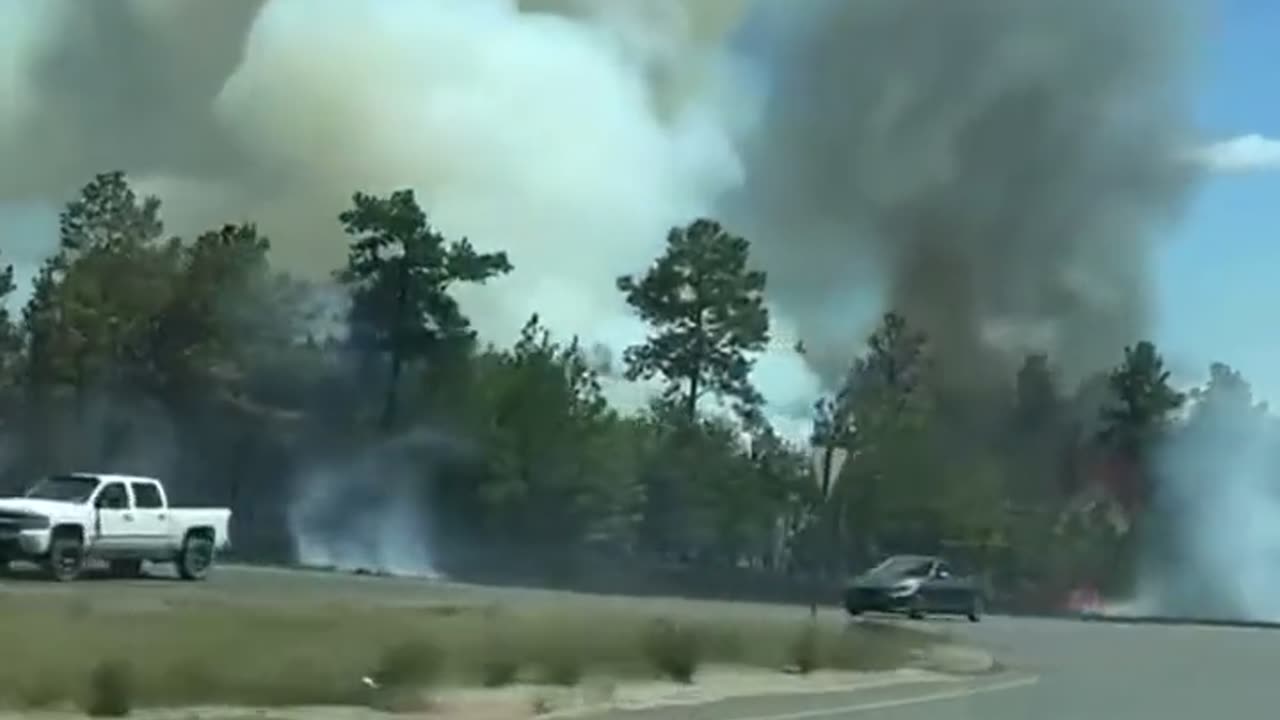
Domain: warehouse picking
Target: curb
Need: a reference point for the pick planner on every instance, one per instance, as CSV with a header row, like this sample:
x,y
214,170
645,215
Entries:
x,y
1101,617
1187,621
959,660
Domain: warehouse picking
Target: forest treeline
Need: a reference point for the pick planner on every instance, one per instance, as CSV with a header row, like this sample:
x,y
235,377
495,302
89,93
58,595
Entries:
x,y
193,358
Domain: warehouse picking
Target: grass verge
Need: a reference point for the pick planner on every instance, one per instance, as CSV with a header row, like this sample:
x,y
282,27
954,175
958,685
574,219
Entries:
x,y
181,653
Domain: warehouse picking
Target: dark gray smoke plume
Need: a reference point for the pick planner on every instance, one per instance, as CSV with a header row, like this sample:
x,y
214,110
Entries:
x,y
125,85
997,169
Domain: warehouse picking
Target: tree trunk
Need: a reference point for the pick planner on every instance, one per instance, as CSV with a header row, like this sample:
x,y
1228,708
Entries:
x,y
695,376
691,402
390,405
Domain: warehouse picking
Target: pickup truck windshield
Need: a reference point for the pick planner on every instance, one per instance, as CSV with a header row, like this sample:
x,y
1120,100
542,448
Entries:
x,y
67,488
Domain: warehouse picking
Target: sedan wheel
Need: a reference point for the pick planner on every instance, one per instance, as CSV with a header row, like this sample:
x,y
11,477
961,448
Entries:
x,y
976,609
915,607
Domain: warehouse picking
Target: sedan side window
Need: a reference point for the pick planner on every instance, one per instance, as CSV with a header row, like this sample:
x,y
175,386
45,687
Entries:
x,y
919,570
113,497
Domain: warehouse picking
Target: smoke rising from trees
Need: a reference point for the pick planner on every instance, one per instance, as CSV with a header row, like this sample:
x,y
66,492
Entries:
x,y
999,169
573,136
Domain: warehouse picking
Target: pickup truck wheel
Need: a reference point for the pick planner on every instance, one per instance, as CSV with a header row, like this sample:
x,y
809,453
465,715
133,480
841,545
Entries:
x,y
66,558
196,558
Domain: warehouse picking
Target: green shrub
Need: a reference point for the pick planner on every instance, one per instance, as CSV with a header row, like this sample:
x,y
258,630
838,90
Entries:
x,y
41,693
804,650
562,667
674,651
498,668
111,688
415,663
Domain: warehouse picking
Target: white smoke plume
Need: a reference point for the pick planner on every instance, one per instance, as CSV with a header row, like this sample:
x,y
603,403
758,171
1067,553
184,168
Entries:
x,y
1214,542
367,513
334,526
571,134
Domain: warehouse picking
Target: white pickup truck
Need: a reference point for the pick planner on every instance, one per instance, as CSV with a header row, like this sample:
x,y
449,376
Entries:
x,y
64,520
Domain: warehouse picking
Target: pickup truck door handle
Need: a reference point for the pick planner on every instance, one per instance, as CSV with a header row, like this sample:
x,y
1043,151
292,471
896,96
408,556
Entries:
x,y
128,517
161,516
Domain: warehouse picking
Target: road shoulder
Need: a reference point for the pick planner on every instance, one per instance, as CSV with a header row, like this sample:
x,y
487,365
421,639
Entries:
x,y
816,705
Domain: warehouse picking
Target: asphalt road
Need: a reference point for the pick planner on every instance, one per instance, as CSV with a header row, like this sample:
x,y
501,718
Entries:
x,y
1064,670
1122,672
1054,669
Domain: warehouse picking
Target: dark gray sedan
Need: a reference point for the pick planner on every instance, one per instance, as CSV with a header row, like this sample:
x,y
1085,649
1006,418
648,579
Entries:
x,y
915,585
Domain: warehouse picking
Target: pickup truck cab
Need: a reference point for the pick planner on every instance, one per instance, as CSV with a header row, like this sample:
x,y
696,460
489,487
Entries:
x,y
62,521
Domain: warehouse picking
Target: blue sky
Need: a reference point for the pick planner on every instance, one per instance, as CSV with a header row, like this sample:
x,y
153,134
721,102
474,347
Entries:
x,y
1218,284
